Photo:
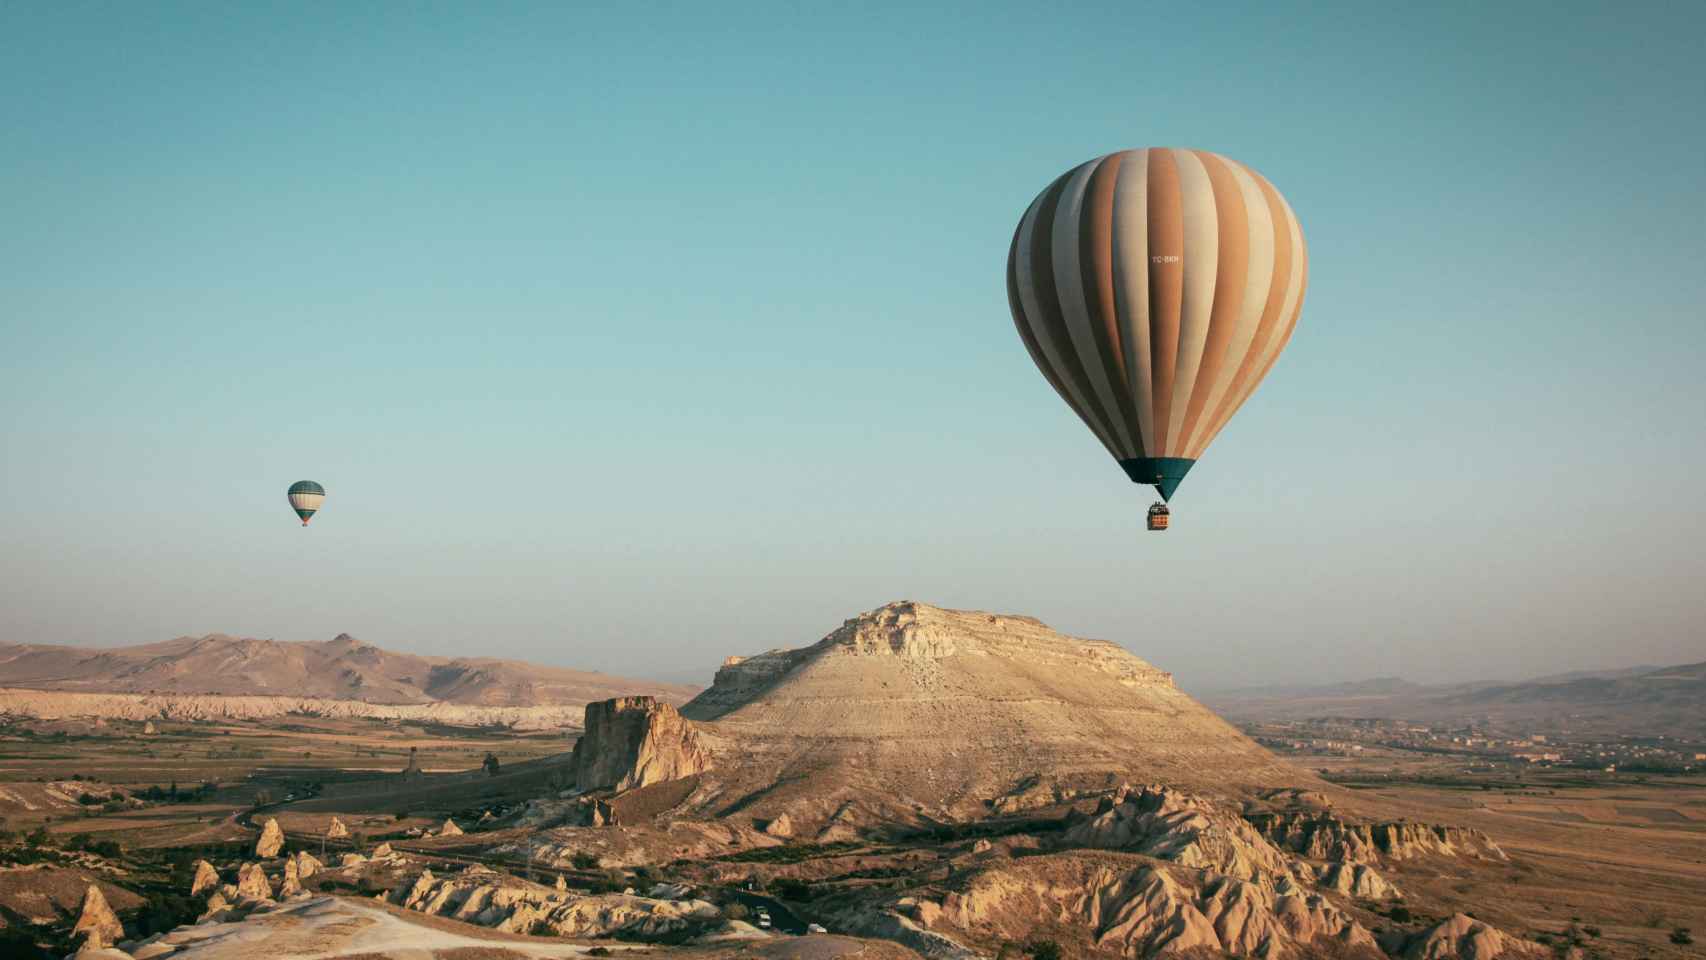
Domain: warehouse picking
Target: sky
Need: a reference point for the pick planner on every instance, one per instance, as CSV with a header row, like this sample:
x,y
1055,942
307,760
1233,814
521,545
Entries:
x,y
631,339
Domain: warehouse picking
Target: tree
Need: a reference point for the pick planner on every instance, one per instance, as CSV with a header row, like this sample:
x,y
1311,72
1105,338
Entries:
x,y
1043,950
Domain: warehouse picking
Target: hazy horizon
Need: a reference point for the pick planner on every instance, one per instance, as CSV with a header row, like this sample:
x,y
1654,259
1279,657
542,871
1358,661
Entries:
x,y
631,343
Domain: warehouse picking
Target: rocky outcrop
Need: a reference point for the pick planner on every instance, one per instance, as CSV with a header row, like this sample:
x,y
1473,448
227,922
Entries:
x,y
1357,880
97,925
306,865
1140,909
1462,937
450,829
206,878
337,830
493,900
291,884
252,883
912,715
271,841
634,742
1322,835
1171,825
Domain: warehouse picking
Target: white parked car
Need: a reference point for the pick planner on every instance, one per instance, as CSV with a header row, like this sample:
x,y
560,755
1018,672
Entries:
x,y
816,928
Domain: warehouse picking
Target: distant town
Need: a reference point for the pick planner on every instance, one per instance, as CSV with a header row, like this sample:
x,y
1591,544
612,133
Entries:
x,y
1480,743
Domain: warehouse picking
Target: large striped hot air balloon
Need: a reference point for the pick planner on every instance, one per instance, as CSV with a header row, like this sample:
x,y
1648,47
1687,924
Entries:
x,y
1154,289
305,498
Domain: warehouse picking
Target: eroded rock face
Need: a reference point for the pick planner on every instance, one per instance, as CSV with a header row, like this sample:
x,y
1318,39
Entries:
x,y
337,831
505,903
206,878
97,925
1326,836
291,885
252,883
634,742
1171,825
1464,938
271,841
1141,909
1357,880
306,865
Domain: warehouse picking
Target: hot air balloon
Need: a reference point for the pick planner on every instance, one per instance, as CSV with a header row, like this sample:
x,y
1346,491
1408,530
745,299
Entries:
x,y
305,498
1154,289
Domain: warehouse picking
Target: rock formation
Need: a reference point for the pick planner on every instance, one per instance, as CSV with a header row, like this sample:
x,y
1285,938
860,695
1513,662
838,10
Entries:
x,y
1322,835
97,925
912,713
1170,825
505,903
148,728
1357,880
1123,906
252,883
450,829
291,885
413,770
206,878
306,865
634,742
271,841
337,831
1465,938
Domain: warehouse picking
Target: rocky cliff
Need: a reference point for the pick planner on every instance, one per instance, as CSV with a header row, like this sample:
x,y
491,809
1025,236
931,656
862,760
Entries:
x,y
632,742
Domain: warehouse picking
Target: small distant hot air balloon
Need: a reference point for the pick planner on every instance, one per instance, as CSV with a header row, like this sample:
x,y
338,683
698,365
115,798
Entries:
x,y
305,498
1154,289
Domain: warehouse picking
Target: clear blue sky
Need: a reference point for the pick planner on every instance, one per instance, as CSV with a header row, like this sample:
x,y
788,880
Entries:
x,y
632,340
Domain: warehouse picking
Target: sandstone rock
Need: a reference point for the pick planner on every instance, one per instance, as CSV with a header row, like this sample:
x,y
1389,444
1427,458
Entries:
x,y
206,878
1322,835
306,865
1357,880
1172,825
351,859
1141,911
450,829
561,885
271,841
148,728
1465,938
53,704
636,741
252,883
337,831
218,909
382,851
909,710
782,826
292,883
506,903
97,925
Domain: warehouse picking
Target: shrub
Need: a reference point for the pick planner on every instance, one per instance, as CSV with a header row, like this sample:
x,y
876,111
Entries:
x,y
1681,937
584,861
1043,950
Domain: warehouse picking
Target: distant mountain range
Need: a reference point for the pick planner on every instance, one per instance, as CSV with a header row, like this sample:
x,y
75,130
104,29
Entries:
x,y
340,669
1668,700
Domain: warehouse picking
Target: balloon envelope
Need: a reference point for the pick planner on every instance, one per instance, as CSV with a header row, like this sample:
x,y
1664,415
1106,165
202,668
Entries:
x,y
1154,289
305,498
